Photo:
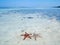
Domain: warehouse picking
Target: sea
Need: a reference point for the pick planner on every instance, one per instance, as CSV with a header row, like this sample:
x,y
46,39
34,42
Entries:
x,y
17,21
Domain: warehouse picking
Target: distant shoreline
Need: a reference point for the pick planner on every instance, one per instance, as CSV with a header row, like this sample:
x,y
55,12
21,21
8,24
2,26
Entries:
x,y
25,8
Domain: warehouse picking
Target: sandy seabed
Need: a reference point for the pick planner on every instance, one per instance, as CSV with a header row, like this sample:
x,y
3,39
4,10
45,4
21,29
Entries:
x,y
14,24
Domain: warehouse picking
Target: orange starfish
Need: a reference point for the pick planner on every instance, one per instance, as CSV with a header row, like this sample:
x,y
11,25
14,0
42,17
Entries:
x,y
26,35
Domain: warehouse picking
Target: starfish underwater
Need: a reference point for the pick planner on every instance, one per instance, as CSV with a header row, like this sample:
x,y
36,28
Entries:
x,y
26,35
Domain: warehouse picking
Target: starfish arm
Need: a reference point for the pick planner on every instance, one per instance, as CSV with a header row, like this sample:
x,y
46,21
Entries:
x,y
22,34
30,34
40,36
29,37
24,38
34,37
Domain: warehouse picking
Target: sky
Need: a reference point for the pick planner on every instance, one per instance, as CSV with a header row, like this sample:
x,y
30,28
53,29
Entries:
x,y
29,3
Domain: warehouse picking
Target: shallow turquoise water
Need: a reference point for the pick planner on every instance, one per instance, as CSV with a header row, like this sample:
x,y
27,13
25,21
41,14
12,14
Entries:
x,y
44,21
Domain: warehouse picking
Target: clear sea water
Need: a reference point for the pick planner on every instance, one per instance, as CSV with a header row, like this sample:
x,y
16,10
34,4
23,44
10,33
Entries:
x,y
49,12
16,21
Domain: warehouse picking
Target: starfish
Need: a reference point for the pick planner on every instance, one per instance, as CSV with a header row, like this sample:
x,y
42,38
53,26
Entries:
x,y
26,35
36,36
